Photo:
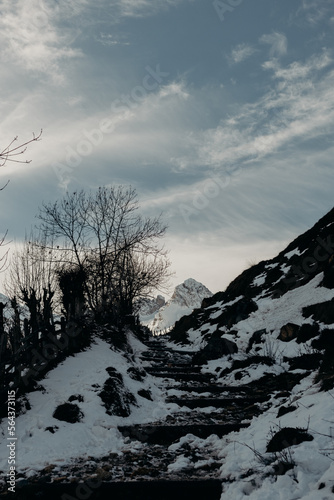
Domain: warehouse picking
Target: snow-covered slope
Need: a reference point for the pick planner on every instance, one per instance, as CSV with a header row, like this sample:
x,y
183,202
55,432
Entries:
x,y
43,439
279,316
186,297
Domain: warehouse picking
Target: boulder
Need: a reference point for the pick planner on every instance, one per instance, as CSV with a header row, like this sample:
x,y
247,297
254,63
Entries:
x,y
116,398
328,280
288,332
216,347
256,338
236,312
68,412
287,436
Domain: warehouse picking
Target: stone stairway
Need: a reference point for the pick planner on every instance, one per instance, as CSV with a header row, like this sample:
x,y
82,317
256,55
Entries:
x,y
146,468
205,409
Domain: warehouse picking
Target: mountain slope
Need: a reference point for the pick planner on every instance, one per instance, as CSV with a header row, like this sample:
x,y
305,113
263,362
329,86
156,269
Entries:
x,y
273,328
307,256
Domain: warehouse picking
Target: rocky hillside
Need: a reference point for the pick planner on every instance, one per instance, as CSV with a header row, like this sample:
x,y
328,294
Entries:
x,y
273,327
186,297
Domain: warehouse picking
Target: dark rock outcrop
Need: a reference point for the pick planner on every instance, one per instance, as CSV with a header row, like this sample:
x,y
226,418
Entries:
x,y
288,436
288,332
116,398
68,412
215,348
256,338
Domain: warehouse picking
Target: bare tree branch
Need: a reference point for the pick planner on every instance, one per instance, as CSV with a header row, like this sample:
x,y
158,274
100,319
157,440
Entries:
x,y
9,152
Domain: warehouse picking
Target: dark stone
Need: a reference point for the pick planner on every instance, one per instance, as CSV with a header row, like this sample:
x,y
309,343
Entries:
x,y
307,332
305,361
76,397
22,405
245,363
283,382
322,312
144,393
256,338
288,332
215,349
114,374
282,394
243,284
328,280
326,371
136,373
116,398
285,409
236,312
52,429
179,333
325,341
288,436
68,412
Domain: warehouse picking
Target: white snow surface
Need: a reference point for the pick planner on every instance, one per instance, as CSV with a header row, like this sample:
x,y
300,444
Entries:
x,y
97,433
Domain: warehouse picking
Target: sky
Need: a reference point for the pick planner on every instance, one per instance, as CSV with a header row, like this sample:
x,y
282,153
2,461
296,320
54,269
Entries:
x,y
219,113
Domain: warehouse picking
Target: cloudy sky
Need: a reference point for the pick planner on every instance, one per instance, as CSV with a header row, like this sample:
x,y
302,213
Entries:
x,y
219,113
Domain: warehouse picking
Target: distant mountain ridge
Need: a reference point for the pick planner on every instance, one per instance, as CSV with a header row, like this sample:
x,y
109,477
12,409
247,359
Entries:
x,y
186,297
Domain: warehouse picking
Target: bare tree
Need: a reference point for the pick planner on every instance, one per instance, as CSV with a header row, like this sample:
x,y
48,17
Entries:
x,y
32,268
32,279
116,248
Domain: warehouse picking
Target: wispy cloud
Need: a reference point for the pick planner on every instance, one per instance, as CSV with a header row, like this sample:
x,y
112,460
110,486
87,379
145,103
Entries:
x,y
278,43
315,11
141,8
241,52
300,105
31,38
109,40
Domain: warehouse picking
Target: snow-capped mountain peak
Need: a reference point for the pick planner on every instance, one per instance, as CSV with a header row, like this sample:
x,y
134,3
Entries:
x,y
186,297
190,294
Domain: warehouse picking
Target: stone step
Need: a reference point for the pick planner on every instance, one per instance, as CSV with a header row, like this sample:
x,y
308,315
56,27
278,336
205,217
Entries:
x,y
216,402
167,434
200,377
216,389
185,353
156,345
132,490
174,369
154,357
